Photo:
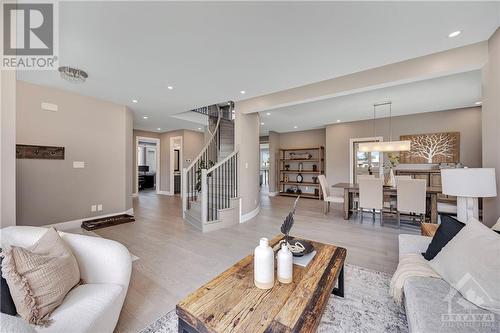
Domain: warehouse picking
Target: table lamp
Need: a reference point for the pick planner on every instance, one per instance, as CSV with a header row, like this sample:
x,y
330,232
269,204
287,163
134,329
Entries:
x,y
468,184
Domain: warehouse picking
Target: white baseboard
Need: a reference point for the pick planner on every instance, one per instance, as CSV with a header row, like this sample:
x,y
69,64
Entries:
x,y
135,195
272,194
164,192
68,225
250,215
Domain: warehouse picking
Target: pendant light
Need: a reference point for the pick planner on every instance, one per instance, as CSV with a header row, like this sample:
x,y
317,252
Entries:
x,y
384,146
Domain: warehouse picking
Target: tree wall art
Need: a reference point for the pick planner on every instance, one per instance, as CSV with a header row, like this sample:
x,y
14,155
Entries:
x,y
432,148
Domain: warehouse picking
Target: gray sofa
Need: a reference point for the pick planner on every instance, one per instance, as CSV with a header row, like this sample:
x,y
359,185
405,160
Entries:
x,y
432,305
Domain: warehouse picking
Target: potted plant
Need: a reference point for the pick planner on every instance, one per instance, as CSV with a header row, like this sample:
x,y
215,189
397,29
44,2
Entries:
x,y
201,166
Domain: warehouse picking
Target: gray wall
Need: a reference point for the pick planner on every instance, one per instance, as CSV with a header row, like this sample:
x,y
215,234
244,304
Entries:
x,y
466,121
8,148
91,130
491,124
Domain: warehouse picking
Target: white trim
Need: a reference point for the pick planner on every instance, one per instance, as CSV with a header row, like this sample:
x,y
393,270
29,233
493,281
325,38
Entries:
x,y
172,158
250,215
272,194
135,195
147,139
351,166
68,225
164,192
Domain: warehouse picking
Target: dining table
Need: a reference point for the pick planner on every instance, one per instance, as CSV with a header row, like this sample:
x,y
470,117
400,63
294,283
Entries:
x,y
351,189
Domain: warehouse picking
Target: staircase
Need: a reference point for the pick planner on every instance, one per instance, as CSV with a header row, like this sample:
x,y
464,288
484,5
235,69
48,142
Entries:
x,y
210,198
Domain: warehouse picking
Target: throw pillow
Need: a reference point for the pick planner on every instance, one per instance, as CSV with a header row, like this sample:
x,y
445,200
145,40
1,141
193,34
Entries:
x,y
496,226
448,228
469,263
40,277
7,304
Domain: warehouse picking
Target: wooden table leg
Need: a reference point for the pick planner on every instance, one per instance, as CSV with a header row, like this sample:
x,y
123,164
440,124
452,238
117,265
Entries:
x,y
434,214
347,204
184,327
339,291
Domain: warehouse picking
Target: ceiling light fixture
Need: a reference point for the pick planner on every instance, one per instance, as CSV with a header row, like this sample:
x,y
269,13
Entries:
x,y
479,103
261,124
387,146
199,128
135,101
268,113
243,92
170,88
338,120
159,129
295,126
455,34
73,75
145,117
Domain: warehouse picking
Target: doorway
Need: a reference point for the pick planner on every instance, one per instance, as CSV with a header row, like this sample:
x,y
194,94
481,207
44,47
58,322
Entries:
x,y
365,163
264,166
147,165
176,165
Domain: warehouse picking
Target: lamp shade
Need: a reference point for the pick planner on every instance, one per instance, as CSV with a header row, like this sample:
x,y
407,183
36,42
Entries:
x,y
385,146
469,182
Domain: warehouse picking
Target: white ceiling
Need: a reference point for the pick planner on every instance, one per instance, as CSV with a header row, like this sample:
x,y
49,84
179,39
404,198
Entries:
x,y
210,51
444,93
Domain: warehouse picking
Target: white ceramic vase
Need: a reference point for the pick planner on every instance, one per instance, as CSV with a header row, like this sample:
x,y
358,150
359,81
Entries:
x,y
391,180
285,264
263,265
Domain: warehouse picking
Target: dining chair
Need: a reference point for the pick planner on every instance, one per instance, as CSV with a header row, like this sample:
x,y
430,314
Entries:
x,y
371,196
328,194
393,198
356,197
411,198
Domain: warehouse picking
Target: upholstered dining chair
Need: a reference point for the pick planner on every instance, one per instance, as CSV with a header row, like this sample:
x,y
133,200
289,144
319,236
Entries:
x,y
393,198
328,194
411,197
371,196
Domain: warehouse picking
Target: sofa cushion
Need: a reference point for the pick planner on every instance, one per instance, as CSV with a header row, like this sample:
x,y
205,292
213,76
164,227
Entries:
x,y
12,324
448,228
432,305
86,308
470,263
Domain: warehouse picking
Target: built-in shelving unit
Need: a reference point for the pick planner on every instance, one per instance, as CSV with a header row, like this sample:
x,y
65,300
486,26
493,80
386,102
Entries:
x,y
311,167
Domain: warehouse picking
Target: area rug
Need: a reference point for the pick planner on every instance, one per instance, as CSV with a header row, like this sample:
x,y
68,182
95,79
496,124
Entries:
x,y
366,308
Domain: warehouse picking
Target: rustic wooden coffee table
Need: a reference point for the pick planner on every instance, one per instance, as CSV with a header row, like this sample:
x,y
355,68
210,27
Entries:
x,y
231,302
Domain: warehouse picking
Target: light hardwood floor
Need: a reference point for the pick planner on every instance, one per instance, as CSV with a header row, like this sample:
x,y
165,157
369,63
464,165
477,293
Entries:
x,y
175,259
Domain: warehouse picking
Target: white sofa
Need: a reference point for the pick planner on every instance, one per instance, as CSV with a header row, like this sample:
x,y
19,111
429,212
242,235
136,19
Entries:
x,y
105,267
427,299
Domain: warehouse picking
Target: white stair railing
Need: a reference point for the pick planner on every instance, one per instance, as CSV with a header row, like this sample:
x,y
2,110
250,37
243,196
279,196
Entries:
x,y
192,175
219,185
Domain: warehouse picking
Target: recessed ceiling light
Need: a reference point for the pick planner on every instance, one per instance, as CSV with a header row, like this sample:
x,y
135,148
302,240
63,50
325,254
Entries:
x,y
145,117
199,128
338,120
479,103
455,34
295,126
243,92
268,113
159,129
135,101
170,87
261,124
